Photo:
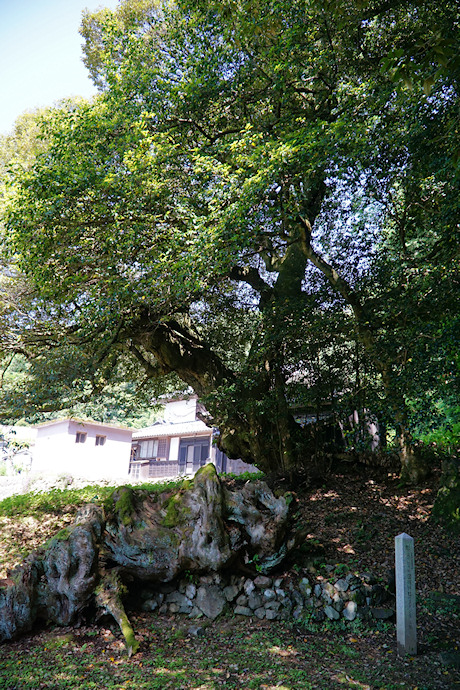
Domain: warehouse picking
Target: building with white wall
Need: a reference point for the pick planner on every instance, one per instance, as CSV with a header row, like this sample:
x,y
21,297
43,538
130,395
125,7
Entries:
x,y
179,444
82,449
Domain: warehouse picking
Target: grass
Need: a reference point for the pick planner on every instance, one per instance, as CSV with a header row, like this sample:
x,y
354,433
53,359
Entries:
x,y
232,655
28,520
59,500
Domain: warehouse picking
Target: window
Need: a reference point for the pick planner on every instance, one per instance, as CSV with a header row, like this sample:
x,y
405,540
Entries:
x,y
100,440
162,452
80,437
154,449
148,449
134,470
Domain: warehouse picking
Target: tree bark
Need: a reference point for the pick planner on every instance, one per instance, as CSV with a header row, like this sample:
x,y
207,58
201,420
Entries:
x,y
142,539
260,438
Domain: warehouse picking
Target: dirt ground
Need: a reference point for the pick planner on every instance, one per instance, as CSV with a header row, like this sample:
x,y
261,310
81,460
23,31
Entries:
x,y
352,517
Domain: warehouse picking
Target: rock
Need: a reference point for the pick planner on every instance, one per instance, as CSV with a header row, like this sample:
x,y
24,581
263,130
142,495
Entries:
x,y
297,598
206,580
196,630
352,579
342,585
254,601
382,614
297,613
363,612
338,603
180,599
273,605
451,601
330,589
190,591
331,613
260,612
263,582
269,594
358,596
350,611
318,590
304,587
167,588
271,614
249,587
242,611
149,605
195,612
242,600
231,592
378,595
368,578
391,581
210,600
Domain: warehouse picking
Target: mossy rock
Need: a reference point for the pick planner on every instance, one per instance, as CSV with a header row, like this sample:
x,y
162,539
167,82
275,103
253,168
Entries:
x,y
176,512
62,535
122,501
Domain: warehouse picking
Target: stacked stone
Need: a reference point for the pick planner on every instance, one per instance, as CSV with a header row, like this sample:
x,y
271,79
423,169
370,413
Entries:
x,y
270,598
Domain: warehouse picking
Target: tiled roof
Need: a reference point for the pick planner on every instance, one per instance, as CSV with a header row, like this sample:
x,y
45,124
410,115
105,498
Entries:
x,y
180,429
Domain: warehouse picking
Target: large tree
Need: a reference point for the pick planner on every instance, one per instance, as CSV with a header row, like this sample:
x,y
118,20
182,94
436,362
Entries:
x,y
247,173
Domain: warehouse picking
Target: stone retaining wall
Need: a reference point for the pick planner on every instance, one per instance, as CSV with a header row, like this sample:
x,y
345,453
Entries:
x,y
273,598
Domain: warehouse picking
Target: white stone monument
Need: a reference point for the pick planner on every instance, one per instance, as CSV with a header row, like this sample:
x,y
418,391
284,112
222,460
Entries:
x,y
406,628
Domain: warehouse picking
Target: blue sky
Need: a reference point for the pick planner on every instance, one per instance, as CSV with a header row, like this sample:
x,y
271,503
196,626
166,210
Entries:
x,y
40,54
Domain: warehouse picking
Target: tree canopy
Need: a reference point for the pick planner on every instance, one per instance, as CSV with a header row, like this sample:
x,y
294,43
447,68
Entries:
x,y
263,202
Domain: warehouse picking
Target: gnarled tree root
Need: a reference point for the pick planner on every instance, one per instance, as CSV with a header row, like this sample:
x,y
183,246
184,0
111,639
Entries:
x,y
109,595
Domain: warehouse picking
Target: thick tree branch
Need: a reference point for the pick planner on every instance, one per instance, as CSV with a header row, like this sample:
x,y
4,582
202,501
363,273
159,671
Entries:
x,y
177,350
251,276
153,371
341,286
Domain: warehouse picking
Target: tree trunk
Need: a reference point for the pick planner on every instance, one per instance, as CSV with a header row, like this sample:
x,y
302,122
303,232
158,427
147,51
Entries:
x,y
141,539
413,468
